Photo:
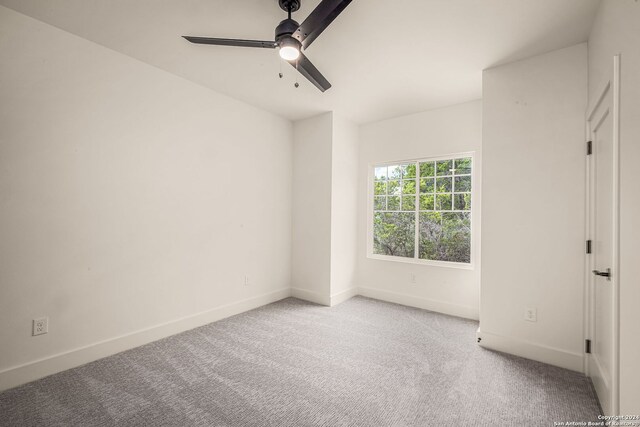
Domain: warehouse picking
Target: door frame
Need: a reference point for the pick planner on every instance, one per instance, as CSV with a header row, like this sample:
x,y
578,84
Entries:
x,y
612,85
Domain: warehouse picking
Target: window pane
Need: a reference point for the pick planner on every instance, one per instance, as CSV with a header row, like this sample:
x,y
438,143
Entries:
x,y
408,203
462,202
463,183
444,167
395,172
463,166
445,236
379,187
409,187
443,202
410,171
394,234
394,187
405,171
427,169
443,185
393,203
427,185
426,202
380,173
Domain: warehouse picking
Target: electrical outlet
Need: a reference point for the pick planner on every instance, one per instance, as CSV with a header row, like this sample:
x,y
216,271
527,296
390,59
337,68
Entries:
x,y
40,326
531,314
413,278
246,280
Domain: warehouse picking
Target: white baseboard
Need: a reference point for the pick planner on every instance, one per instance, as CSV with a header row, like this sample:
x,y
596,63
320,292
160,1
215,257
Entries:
x,y
533,351
427,304
311,296
31,371
341,297
37,369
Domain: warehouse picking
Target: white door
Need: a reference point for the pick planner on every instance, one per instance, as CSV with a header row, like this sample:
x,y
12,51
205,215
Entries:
x,y
603,365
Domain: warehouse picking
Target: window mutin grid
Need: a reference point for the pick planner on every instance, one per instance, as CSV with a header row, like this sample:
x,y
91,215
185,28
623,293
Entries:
x,y
437,193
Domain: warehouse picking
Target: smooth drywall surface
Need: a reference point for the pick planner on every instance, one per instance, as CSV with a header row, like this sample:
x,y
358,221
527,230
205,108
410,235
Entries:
x,y
533,205
311,250
432,133
344,208
129,197
617,31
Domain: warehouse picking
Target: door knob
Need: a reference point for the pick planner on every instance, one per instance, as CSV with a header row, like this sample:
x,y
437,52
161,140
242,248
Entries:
x,y
606,274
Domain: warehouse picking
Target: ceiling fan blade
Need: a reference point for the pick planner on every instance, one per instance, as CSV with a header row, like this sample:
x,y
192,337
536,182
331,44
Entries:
x,y
232,42
318,20
307,69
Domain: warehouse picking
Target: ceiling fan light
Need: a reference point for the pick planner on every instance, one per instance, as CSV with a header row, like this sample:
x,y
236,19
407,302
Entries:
x,y
289,53
289,49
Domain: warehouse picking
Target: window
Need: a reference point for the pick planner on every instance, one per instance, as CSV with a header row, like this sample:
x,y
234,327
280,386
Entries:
x,y
422,210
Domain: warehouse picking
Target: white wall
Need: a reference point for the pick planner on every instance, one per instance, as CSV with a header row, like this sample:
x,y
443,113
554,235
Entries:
x,y
311,266
129,198
432,133
344,209
324,209
617,30
533,206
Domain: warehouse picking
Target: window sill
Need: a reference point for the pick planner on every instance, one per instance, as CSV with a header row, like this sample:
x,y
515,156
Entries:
x,y
456,265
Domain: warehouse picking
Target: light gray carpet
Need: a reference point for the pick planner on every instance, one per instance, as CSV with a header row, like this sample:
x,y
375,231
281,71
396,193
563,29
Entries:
x,y
292,363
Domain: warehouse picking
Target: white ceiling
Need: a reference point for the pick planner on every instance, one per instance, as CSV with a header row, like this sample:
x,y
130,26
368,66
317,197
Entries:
x,y
385,58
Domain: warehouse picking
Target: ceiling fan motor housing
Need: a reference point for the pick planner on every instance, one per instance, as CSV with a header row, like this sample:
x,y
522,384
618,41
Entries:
x,y
286,28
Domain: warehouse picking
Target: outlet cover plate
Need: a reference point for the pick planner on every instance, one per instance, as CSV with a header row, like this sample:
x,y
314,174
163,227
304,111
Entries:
x,y
531,314
40,326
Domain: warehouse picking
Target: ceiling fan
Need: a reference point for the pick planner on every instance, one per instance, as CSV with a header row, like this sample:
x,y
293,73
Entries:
x,y
291,37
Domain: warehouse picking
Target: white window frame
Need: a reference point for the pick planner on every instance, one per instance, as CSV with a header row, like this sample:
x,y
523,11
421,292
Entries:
x,y
415,260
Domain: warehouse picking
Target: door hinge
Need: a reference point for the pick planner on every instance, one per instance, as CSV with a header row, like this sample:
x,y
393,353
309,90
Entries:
x,y
589,147
587,346
588,246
